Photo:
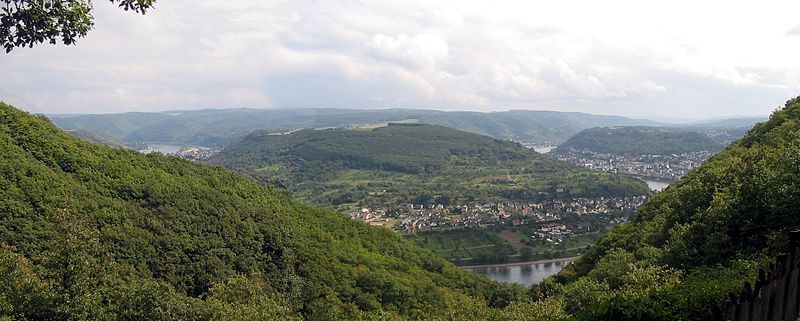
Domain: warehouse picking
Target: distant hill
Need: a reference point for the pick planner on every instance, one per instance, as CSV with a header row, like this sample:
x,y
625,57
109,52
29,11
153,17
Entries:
x,y
412,163
98,138
736,122
639,141
117,126
219,127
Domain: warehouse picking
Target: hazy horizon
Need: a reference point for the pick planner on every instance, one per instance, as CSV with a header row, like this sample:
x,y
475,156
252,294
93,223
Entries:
x,y
679,59
667,120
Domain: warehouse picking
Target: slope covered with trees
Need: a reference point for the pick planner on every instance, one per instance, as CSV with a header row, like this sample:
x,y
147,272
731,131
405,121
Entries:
x,y
639,141
422,164
92,232
87,231
700,238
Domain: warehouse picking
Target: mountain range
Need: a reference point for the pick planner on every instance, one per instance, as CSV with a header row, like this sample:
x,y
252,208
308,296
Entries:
x,y
218,128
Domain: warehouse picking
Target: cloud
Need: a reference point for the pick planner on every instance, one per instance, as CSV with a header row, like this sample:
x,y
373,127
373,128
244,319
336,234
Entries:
x,y
415,52
794,32
610,58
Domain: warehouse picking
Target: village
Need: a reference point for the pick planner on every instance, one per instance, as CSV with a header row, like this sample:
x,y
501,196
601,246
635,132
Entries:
x,y
662,167
196,153
413,218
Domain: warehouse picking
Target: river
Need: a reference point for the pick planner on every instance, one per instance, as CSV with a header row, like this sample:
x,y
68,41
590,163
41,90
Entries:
x,y
526,273
163,149
656,185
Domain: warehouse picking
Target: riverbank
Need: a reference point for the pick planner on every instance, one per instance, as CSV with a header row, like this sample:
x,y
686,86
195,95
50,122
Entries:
x,y
566,259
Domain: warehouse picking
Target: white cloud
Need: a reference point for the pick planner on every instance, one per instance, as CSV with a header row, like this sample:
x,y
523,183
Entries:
x,y
415,52
795,31
680,58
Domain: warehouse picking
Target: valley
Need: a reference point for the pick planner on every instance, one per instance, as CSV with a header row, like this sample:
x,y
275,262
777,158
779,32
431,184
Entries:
x,y
362,171
399,161
467,198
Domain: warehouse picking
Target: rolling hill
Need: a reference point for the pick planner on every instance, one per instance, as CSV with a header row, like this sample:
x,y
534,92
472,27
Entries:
x,y
217,128
417,163
91,232
639,141
99,139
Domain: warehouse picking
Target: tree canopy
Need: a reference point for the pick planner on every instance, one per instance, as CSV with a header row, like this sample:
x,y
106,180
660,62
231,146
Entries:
x,y
26,23
91,232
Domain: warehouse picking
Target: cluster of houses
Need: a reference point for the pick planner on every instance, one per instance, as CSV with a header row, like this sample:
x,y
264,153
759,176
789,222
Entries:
x,y
553,232
667,167
418,217
197,153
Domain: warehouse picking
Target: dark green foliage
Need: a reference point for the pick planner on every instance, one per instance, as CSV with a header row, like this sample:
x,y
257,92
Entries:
x,y
423,164
703,236
92,232
639,141
30,22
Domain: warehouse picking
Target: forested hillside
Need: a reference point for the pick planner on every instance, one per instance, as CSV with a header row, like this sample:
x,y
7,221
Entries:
x,y
416,163
90,232
703,236
639,141
217,128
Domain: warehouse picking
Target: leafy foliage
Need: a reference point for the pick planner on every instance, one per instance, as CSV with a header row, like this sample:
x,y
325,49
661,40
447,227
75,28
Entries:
x,y
31,22
702,237
88,231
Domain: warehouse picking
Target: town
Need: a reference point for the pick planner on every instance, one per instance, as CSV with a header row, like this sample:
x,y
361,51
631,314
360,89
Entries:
x,y
417,217
660,167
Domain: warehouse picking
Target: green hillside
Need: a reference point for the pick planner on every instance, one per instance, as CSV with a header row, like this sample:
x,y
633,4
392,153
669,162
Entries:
x,y
90,232
217,128
703,236
96,138
416,163
639,141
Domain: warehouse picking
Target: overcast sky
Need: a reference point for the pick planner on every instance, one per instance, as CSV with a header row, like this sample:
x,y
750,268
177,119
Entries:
x,y
637,58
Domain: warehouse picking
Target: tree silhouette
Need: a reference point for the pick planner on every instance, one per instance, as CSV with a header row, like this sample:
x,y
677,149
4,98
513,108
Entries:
x,y
31,22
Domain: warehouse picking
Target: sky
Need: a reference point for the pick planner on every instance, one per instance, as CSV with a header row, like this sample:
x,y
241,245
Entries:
x,y
680,59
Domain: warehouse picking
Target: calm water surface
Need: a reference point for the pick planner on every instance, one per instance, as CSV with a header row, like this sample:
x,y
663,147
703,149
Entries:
x,y
524,273
164,149
656,185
